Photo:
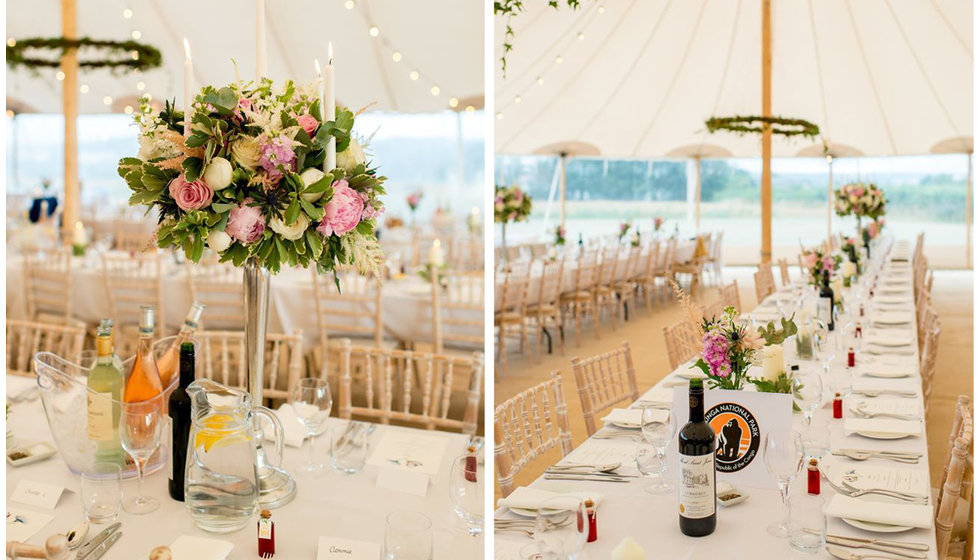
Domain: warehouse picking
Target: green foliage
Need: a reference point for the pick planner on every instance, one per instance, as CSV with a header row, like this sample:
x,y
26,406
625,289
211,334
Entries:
x,y
93,53
511,8
775,337
755,124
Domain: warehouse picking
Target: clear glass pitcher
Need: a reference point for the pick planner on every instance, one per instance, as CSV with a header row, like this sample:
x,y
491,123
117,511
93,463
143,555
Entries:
x,y
221,488
810,338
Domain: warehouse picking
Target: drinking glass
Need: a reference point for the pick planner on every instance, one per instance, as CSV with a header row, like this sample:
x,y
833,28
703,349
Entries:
x,y
102,492
311,401
408,536
561,528
807,523
816,442
807,392
140,428
466,491
349,447
653,464
784,459
658,428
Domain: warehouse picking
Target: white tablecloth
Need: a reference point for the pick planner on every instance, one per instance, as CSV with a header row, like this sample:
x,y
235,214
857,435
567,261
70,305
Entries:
x,y
652,520
350,507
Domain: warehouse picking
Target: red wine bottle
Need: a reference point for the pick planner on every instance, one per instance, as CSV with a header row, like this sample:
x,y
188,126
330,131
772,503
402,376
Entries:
x,y
180,422
825,304
696,490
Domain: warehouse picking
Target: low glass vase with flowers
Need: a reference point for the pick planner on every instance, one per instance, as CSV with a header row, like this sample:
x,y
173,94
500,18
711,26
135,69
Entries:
x,y
816,261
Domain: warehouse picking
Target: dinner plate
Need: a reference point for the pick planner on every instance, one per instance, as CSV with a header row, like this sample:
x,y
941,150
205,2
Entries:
x,y
529,512
626,425
883,374
417,289
876,527
883,435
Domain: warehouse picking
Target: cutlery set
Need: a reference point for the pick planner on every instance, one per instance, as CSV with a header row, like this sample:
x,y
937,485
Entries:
x,y
527,526
865,454
862,410
898,549
852,491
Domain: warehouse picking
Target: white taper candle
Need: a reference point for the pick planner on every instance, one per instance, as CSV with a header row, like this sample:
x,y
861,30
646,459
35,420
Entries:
x,y
330,109
188,88
260,62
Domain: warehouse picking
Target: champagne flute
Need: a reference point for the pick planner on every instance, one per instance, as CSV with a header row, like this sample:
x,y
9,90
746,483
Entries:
x,y
784,460
140,428
658,429
311,400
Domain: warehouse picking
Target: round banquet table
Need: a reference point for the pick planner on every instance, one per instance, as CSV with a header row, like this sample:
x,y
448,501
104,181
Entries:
x,y
332,504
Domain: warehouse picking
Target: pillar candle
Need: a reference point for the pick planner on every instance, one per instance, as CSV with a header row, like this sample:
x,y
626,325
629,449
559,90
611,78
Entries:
x,y
435,254
772,362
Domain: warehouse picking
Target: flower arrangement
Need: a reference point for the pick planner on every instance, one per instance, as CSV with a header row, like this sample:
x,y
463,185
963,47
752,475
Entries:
x,y
248,180
510,204
560,235
624,228
860,200
413,200
817,261
874,228
658,222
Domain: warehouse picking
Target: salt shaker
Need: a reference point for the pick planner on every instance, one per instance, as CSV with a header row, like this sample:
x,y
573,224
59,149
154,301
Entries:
x,y
267,535
838,406
590,511
813,478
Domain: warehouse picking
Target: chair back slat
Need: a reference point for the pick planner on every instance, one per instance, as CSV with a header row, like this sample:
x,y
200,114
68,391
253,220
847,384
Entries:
x,y
764,283
957,474
604,381
24,339
47,282
683,342
223,359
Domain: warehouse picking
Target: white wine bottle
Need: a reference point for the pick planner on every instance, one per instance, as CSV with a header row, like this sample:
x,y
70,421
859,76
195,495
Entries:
x,y
105,384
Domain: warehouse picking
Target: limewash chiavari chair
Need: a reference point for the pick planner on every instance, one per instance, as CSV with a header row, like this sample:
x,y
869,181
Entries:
x,y
683,342
604,293
131,282
665,268
625,286
218,286
528,425
223,360
27,338
354,310
457,310
730,297
646,277
579,299
694,266
784,272
544,308
713,310
467,254
47,282
957,481
927,363
510,316
715,258
604,381
764,283
390,395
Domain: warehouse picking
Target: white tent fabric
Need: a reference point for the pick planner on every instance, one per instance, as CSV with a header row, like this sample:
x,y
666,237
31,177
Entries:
x,y
638,78
441,39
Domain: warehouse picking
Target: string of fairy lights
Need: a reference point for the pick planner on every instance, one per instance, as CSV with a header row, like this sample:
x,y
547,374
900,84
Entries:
x,y
556,54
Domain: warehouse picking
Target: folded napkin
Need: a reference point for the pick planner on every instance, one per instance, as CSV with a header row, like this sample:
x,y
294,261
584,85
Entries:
x,y
891,298
887,405
882,425
880,512
632,417
658,395
532,498
861,384
891,317
901,289
890,337
294,431
899,479
887,370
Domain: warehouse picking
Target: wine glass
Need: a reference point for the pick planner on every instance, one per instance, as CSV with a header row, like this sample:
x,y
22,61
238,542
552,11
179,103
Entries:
x,y
466,491
311,400
140,427
658,428
807,392
784,459
561,528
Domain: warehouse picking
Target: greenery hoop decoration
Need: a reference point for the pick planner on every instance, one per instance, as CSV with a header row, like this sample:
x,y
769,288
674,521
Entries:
x,y
115,55
510,8
755,124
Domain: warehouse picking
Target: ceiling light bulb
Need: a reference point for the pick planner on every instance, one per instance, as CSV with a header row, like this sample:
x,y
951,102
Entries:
x,y
140,86
59,75
10,113
540,80
107,100
373,31
127,13
83,88
349,4
500,116
128,109
396,56
135,55
470,108
11,42
435,90
558,59
517,99
602,9
148,97
136,34
453,102
413,75
581,36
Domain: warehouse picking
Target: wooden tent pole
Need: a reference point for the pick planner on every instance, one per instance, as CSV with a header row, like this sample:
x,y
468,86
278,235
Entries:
x,y
969,210
69,93
561,189
766,255
697,193
830,196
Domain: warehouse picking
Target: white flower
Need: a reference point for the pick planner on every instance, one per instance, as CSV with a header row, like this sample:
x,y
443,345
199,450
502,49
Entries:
x,y
245,152
218,173
219,241
310,176
290,232
352,156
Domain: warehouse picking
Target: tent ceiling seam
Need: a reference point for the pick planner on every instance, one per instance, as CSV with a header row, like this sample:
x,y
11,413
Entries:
x,y
825,124
922,70
952,30
724,72
575,77
871,80
673,81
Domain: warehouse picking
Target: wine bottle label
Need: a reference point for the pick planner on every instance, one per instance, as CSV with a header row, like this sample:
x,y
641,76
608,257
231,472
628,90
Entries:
x,y
265,528
825,310
168,434
696,491
100,417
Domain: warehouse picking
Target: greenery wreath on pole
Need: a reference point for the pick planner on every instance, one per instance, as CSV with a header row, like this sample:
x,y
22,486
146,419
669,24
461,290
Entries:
x,y
755,124
116,55
511,8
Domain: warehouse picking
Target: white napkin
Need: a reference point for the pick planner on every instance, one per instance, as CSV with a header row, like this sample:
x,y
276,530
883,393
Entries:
x,y
884,384
887,370
891,317
658,395
890,337
891,289
882,425
899,479
531,498
887,405
294,431
890,298
880,512
187,547
630,417
17,384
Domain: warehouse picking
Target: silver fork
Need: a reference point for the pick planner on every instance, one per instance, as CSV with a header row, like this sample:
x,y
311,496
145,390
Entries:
x,y
909,496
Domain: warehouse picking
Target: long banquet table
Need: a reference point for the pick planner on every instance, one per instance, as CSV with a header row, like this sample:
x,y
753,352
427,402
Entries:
x,y
334,505
626,510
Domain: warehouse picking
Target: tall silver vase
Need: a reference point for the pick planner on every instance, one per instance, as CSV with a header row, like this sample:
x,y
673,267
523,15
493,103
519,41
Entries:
x,y
276,487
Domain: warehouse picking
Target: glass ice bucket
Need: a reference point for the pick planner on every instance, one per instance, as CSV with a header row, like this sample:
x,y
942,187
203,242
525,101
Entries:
x,y
64,396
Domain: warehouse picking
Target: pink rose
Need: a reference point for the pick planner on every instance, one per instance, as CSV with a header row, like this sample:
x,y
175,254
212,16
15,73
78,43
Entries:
x,y
245,223
190,196
243,103
810,260
343,212
308,122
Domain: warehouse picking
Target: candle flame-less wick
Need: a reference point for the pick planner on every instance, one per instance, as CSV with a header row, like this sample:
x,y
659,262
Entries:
x,y
316,64
330,53
187,49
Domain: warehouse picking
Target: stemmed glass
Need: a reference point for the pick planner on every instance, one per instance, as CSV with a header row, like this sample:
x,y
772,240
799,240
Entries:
x,y
561,528
140,427
658,431
466,491
311,400
807,392
784,459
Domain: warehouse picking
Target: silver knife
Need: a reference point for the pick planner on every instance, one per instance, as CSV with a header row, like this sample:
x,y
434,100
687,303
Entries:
x,y
853,543
895,544
97,540
102,548
589,478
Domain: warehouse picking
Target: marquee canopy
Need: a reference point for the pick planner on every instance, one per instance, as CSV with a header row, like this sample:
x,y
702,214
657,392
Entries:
x,y
638,78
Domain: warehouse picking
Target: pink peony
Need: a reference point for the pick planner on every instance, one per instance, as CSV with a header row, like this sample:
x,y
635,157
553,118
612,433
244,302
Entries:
x,y
243,103
343,212
810,260
245,223
190,196
308,122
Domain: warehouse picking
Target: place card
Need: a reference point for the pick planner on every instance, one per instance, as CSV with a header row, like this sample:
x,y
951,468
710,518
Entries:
x,y
187,547
37,494
401,480
24,524
413,451
335,548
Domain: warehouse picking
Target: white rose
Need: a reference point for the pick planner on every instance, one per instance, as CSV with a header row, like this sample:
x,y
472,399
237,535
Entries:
x,y
310,176
219,241
245,152
352,156
218,173
292,232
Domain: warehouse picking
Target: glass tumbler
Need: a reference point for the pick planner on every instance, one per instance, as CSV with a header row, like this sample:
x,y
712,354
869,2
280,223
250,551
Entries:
x,y
349,447
807,523
408,536
102,492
